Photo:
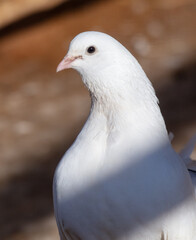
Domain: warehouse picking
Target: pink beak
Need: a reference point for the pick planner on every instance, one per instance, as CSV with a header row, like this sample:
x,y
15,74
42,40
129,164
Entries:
x,y
65,63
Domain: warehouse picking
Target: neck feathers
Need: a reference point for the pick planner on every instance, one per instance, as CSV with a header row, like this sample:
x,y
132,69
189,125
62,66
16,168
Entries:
x,y
123,94
132,110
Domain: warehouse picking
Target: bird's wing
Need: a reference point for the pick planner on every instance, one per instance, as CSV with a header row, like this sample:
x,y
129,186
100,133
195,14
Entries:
x,y
67,234
185,154
70,235
192,166
193,179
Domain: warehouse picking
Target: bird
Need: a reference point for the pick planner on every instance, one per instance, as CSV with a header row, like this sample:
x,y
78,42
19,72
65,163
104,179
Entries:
x,y
121,179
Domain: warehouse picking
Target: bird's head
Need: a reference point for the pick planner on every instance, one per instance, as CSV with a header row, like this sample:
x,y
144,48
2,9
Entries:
x,y
106,66
90,51
96,55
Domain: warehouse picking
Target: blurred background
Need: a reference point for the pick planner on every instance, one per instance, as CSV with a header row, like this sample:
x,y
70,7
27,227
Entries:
x,y
41,112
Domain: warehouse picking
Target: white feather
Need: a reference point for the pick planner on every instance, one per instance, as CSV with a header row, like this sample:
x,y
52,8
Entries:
x,y
121,178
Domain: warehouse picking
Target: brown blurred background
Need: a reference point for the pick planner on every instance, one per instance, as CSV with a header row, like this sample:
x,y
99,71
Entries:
x,y
41,112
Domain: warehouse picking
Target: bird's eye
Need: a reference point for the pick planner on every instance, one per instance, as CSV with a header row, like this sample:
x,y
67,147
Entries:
x,y
91,49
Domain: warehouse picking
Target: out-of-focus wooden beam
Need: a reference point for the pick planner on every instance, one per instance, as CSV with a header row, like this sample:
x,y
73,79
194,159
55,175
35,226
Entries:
x,y
13,10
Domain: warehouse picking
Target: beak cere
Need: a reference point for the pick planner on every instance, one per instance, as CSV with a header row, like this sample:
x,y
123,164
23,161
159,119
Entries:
x,y
66,62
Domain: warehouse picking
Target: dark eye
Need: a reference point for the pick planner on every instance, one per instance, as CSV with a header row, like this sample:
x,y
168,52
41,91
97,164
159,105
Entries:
x,y
91,49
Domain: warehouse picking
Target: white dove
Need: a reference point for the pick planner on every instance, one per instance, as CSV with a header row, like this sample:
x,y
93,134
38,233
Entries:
x,y
121,178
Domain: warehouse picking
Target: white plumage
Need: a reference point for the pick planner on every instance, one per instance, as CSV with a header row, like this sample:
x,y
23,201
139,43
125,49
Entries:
x,y
121,178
